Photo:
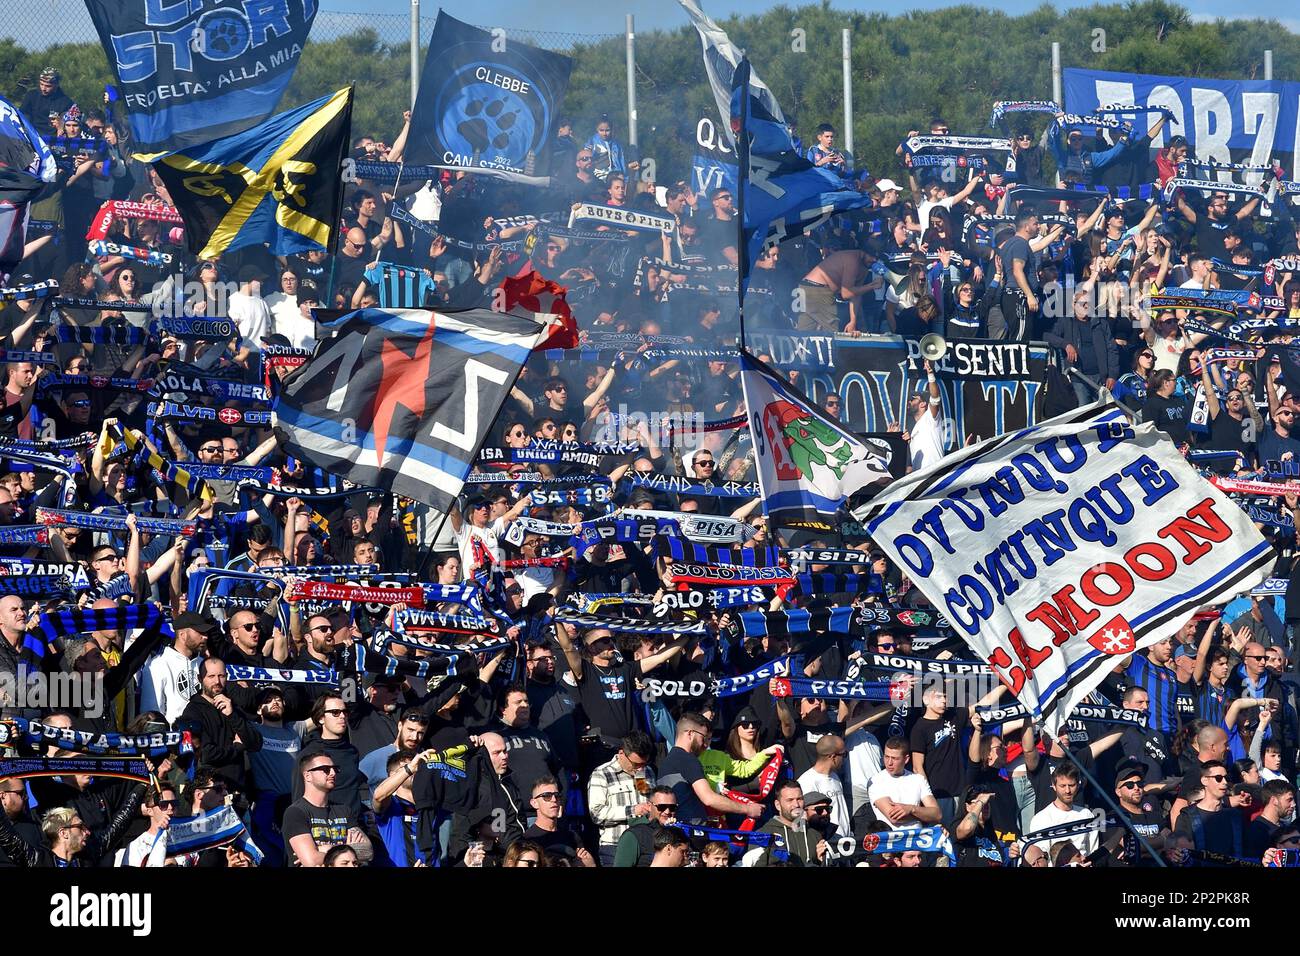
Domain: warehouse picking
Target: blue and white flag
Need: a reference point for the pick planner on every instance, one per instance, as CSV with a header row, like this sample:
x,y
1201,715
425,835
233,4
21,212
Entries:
x,y
191,72
781,194
721,58
26,166
1058,550
807,464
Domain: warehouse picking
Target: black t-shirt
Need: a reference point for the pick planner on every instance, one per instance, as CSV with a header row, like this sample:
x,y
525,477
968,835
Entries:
x,y
1259,837
939,741
1149,821
1004,810
1167,414
1041,778
563,842
327,824
981,848
1228,433
801,749
1219,831
608,698
1209,235
680,770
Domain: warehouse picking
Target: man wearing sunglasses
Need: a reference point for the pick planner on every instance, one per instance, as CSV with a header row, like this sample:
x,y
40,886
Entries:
x,y
315,822
636,845
1209,824
548,832
1143,812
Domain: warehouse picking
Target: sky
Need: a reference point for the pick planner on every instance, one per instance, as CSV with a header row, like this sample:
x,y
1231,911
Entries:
x,y
583,16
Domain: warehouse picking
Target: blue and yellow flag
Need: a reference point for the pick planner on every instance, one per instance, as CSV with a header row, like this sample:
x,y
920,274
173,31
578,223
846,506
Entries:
x,y
278,183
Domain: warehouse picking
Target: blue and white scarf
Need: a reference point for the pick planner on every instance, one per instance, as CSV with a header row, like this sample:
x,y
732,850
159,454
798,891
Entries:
x,y
210,830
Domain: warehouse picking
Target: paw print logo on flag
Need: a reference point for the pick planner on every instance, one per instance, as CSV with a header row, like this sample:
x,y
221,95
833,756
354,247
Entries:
x,y
1115,637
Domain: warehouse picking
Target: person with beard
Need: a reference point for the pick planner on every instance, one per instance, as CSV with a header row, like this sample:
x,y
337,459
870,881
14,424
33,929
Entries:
x,y
1143,813
242,644
819,813
409,736
1209,823
13,804
790,824
171,678
606,688
531,757
222,730
329,714
318,653
271,770
373,720
68,840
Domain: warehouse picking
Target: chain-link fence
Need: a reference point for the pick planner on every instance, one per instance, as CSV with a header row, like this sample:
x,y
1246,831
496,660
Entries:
x,y
37,25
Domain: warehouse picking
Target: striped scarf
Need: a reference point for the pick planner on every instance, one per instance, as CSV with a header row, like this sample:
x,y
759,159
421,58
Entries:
x,y
72,621
761,559
625,625
414,619
172,472
105,522
209,830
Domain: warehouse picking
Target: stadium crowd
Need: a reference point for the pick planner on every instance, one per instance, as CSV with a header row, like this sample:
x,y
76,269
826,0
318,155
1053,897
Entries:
x,y
664,737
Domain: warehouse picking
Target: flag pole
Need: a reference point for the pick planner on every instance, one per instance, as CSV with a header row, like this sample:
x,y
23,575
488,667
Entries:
x,y
740,110
1119,813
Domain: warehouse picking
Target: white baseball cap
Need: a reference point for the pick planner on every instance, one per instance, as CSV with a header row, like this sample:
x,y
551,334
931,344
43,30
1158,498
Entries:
x,y
884,185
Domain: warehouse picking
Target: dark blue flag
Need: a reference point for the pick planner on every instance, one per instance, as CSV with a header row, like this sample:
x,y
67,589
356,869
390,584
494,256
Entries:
x,y
485,104
781,194
192,72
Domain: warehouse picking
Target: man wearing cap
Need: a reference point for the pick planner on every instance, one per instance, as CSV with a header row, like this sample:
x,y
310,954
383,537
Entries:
x,y
171,679
46,100
1076,164
1143,812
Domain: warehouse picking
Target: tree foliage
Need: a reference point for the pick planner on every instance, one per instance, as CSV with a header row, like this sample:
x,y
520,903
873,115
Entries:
x,y
907,68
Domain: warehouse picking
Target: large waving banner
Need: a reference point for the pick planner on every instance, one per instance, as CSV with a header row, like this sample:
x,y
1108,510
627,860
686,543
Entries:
x,y
1058,550
1227,121
486,103
988,387
193,72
